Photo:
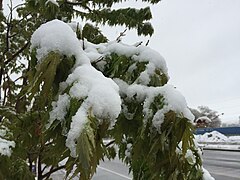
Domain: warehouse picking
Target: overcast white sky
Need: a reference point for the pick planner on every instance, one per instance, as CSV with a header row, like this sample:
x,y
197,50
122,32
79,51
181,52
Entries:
x,y
200,41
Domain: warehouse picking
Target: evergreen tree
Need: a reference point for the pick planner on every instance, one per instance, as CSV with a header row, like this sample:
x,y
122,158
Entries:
x,y
74,88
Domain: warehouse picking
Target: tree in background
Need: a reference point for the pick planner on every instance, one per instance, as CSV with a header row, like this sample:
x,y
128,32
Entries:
x,y
72,88
204,111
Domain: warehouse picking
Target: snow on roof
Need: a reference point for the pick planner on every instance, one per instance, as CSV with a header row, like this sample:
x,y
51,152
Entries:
x,y
204,118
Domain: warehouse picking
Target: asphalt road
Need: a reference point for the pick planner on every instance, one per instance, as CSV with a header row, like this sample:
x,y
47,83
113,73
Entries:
x,y
222,165
112,170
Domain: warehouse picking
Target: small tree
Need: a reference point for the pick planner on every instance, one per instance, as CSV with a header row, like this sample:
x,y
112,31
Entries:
x,y
77,88
204,111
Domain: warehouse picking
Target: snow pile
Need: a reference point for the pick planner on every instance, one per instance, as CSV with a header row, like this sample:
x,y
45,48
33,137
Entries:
x,y
213,136
5,145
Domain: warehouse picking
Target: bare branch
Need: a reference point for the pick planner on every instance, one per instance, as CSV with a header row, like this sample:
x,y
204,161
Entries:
x,y
78,3
52,171
138,44
121,35
110,143
1,4
147,42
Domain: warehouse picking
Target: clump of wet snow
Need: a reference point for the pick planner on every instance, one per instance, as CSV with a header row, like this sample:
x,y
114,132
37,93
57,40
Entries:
x,y
59,37
53,2
6,147
60,108
207,175
101,98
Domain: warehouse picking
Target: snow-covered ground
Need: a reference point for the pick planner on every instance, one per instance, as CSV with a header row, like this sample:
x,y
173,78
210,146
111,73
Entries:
x,y
216,140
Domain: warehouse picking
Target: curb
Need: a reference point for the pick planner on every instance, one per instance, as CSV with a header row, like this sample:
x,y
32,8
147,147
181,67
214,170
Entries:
x,y
217,149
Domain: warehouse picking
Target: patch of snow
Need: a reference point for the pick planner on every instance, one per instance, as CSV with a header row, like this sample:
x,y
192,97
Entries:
x,y
101,99
234,138
59,37
77,125
140,54
173,100
3,132
101,93
207,175
60,108
6,147
53,2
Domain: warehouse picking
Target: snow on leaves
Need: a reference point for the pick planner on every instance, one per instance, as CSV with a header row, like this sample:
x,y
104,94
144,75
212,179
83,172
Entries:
x,y
100,95
5,144
111,83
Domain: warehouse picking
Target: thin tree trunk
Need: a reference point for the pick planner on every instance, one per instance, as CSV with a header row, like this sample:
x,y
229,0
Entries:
x,y
1,4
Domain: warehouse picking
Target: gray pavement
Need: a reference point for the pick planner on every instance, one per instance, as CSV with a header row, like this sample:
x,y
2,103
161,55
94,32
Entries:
x,y
222,165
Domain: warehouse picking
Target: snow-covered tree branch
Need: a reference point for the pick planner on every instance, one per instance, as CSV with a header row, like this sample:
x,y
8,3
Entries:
x,y
78,88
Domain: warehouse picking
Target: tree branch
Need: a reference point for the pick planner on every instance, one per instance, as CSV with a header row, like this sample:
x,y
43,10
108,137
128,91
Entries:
x,y
78,3
1,4
53,170
40,177
121,35
17,53
110,143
